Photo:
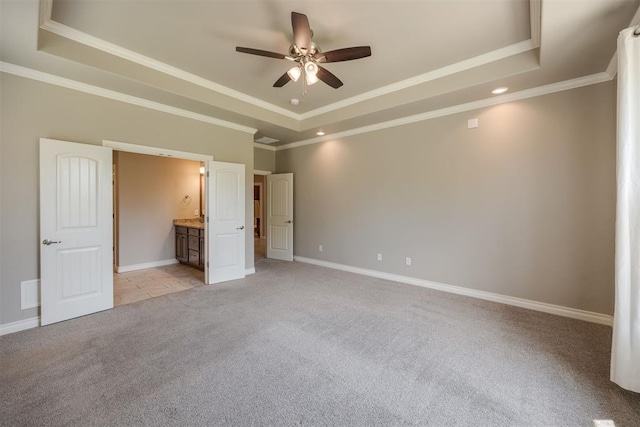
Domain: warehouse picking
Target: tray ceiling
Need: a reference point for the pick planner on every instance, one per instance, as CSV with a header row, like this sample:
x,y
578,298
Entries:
x,y
426,55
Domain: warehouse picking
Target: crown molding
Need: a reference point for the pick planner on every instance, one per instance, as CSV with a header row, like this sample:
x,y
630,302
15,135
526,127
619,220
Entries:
x,y
516,96
46,23
46,7
20,71
612,69
129,55
264,147
535,21
458,67
40,76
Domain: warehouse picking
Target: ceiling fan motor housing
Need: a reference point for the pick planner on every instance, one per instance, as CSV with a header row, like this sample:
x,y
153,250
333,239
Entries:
x,y
295,53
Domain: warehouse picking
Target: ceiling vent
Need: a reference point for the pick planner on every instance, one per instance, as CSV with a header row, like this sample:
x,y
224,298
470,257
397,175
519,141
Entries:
x,y
266,140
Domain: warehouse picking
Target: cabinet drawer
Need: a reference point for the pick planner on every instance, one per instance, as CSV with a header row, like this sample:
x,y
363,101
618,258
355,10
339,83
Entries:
x,y
194,231
181,230
194,243
194,257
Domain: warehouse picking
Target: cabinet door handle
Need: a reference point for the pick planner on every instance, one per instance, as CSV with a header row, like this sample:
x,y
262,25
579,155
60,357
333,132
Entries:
x,y
288,222
240,228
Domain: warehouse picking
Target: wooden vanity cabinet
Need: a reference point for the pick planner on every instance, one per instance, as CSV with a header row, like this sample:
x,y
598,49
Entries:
x,y
190,246
182,245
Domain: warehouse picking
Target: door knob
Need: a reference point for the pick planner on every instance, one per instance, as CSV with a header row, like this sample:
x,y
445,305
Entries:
x,y
49,242
240,228
288,222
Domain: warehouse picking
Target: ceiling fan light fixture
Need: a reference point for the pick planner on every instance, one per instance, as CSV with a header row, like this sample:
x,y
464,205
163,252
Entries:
x,y
294,73
311,79
306,54
310,68
311,72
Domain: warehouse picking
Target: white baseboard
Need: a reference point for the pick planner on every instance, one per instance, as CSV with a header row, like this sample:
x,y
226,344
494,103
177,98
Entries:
x,y
20,325
251,270
574,313
134,267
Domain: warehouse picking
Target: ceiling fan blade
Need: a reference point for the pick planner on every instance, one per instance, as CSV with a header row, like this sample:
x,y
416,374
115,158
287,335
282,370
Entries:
x,y
301,32
346,54
283,80
259,52
328,77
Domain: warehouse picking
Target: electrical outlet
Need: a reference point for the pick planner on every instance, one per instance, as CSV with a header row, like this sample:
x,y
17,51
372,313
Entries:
x,y
379,257
408,261
320,248
195,212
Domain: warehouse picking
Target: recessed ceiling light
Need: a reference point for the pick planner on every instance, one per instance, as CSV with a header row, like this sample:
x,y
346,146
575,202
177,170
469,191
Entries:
x,y
499,90
320,133
294,101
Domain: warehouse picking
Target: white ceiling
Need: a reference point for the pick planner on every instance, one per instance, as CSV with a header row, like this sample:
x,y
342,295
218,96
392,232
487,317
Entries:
x,y
426,55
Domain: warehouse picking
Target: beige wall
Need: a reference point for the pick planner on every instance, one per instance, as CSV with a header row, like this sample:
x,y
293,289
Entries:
x,y
151,194
522,206
31,110
264,160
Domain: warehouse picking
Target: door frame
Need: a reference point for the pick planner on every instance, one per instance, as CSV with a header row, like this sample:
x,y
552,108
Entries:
x,y
263,219
155,151
260,200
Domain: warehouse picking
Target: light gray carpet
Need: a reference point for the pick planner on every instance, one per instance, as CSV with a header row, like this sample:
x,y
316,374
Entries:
x,y
298,344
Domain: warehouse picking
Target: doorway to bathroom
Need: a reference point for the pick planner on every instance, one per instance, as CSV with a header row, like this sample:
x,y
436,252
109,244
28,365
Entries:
x,y
151,194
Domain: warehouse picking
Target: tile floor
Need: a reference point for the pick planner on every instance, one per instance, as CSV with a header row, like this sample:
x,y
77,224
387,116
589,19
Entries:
x,y
154,282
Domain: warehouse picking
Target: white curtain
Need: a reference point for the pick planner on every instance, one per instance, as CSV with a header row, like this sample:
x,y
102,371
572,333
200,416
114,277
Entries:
x,y
625,352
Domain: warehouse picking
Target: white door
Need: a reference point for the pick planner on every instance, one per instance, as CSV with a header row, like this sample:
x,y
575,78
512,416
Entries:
x,y
226,228
76,240
280,216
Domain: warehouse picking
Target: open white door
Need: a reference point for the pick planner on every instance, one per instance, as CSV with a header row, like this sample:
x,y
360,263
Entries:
x,y
280,216
225,236
75,230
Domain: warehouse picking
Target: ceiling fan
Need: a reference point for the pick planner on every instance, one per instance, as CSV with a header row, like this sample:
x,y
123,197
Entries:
x,y
307,55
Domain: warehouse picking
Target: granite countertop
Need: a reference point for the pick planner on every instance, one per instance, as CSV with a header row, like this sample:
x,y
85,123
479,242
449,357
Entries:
x,y
189,222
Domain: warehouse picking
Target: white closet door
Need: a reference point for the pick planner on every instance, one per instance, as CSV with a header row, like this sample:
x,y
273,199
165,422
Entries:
x,y
280,216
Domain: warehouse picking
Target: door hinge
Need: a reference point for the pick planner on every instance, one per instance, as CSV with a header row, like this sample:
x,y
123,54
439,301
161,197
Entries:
x,y
207,263
207,174
207,220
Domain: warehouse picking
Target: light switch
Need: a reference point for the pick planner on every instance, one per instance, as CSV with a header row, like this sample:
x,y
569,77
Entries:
x,y
472,124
